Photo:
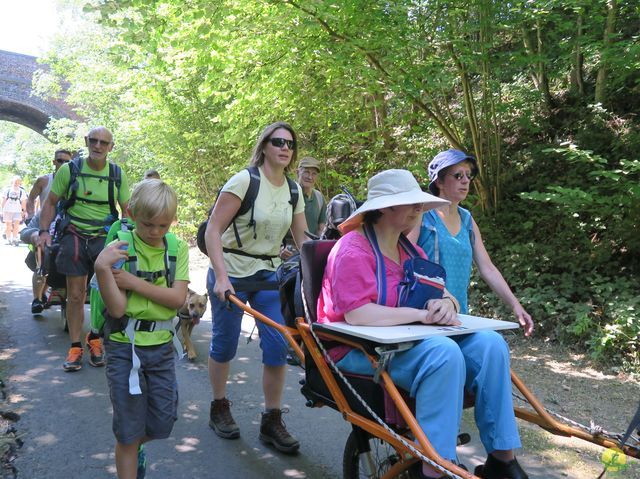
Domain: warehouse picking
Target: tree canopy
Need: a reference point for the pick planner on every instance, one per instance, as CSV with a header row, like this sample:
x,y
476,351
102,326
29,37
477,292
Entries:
x,y
544,94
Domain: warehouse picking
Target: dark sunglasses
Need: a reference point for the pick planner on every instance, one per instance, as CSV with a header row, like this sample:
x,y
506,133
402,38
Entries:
x,y
280,142
459,176
96,141
61,160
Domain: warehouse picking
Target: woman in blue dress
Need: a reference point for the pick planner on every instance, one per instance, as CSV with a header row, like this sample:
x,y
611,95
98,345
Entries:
x,y
451,237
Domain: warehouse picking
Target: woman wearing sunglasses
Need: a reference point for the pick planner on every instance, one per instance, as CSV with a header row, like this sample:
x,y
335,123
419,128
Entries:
x,y
244,257
451,237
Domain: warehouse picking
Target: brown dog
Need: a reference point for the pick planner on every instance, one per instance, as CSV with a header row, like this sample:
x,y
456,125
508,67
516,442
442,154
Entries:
x,y
189,315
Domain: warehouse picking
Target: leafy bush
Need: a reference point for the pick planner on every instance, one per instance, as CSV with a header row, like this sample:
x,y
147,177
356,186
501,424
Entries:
x,y
574,262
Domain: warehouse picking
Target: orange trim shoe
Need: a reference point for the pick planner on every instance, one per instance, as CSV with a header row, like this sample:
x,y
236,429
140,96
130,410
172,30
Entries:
x,y
96,353
74,360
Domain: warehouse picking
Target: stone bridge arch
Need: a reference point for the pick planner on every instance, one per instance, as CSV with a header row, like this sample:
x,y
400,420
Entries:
x,y
17,104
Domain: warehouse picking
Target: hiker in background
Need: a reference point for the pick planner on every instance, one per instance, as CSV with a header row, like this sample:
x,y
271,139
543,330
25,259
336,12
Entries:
x,y
242,259
148,305
151,173
315,206
42,185
14,209
451,237
94,188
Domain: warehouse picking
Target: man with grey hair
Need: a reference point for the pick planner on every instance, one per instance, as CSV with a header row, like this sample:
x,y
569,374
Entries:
x,y
90,187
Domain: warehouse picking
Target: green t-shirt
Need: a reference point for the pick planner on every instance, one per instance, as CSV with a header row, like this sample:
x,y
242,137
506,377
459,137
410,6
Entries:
x,y
140,307
315,211
272,215
94,189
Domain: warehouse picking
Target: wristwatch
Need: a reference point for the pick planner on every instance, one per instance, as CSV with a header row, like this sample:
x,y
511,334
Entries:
x,y
42,231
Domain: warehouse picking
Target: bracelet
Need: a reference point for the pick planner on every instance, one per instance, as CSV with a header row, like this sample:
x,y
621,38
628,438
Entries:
x,y
452,302
42,231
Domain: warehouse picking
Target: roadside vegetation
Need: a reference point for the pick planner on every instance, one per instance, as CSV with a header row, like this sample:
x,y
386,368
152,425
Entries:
x,y
545,94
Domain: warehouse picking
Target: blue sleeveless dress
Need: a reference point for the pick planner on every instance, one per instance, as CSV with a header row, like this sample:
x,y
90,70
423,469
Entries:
x,y
453,253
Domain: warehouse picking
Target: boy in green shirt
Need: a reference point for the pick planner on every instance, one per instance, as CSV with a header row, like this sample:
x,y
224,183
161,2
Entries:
x,y
141,376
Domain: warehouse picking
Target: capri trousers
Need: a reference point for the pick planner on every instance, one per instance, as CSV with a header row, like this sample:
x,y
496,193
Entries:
x,y
437,370
226,323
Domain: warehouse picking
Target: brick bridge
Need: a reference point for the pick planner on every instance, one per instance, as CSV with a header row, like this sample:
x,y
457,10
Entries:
x,y
17,104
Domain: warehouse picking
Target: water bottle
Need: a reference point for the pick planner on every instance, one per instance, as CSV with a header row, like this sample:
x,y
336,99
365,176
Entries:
x,y
120,263
94,282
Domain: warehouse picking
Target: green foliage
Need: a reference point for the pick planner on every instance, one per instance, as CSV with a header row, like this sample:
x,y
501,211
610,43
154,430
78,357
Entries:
x,y
187,86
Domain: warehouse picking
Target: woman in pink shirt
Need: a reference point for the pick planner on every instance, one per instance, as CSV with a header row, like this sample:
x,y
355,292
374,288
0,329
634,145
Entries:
x,y
438,369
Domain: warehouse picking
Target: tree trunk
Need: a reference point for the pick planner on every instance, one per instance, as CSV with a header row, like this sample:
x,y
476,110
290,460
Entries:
x,y
576,79
601,79
534,46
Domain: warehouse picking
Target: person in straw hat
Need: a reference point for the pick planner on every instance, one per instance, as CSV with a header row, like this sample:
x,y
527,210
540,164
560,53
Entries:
x,y
437,370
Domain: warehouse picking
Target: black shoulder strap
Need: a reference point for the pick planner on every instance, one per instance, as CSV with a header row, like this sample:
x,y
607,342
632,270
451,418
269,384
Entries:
x,y
295,194
75,167
248,203
252,192
115,179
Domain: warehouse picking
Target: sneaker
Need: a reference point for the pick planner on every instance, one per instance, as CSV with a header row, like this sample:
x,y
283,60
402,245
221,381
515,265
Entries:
x,y
96,353
74,360
274,432
37,306
142,462
221,420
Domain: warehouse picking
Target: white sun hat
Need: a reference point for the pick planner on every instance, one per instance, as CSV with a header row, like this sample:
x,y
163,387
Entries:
x,y
391,188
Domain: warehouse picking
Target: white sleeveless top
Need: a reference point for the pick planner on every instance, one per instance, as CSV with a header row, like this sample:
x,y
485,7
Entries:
x,y
45,191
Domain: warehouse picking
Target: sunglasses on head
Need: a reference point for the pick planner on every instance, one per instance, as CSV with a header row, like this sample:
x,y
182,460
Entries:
x,y
459,176
280,142
61,160
96,141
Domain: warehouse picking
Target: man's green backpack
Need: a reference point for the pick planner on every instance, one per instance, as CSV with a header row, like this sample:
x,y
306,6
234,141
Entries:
x,y
123,230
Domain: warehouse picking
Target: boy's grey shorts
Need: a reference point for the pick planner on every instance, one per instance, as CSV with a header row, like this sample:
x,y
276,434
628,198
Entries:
x,y
153,412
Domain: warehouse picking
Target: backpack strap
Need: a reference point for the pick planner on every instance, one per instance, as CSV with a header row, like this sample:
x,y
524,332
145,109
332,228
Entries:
x,y
381,270
381,273
248,203
294,196
115,180
170,258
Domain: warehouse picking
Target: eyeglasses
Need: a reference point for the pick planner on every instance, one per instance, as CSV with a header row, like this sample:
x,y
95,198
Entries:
x,y
459,176
61,160
280,142
96,141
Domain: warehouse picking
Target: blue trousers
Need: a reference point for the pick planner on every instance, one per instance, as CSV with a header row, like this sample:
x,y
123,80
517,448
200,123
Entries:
x,y
437,370
226,324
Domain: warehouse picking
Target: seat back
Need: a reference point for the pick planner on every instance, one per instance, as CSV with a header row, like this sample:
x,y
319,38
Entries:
x,y
313,258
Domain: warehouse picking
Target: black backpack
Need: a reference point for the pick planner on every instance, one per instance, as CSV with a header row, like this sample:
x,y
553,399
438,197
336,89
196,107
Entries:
x,y
248,203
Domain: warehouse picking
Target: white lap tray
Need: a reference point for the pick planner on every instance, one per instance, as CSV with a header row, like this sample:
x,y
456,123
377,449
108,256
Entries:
x,y
414,332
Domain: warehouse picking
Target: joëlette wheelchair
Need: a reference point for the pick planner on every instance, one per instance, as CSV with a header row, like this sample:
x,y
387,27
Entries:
x,y
393,446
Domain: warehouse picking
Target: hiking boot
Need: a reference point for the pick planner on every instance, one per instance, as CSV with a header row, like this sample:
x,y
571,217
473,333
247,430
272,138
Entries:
x,y
274,432
496,469
74,360
142,462
96,353
37,306
221,420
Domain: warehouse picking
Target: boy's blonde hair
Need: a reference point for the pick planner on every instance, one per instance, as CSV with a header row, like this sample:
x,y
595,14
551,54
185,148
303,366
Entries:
x,y
152,198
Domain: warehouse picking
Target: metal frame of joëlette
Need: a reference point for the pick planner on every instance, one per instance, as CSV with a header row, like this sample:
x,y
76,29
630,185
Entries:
x,y
538,415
